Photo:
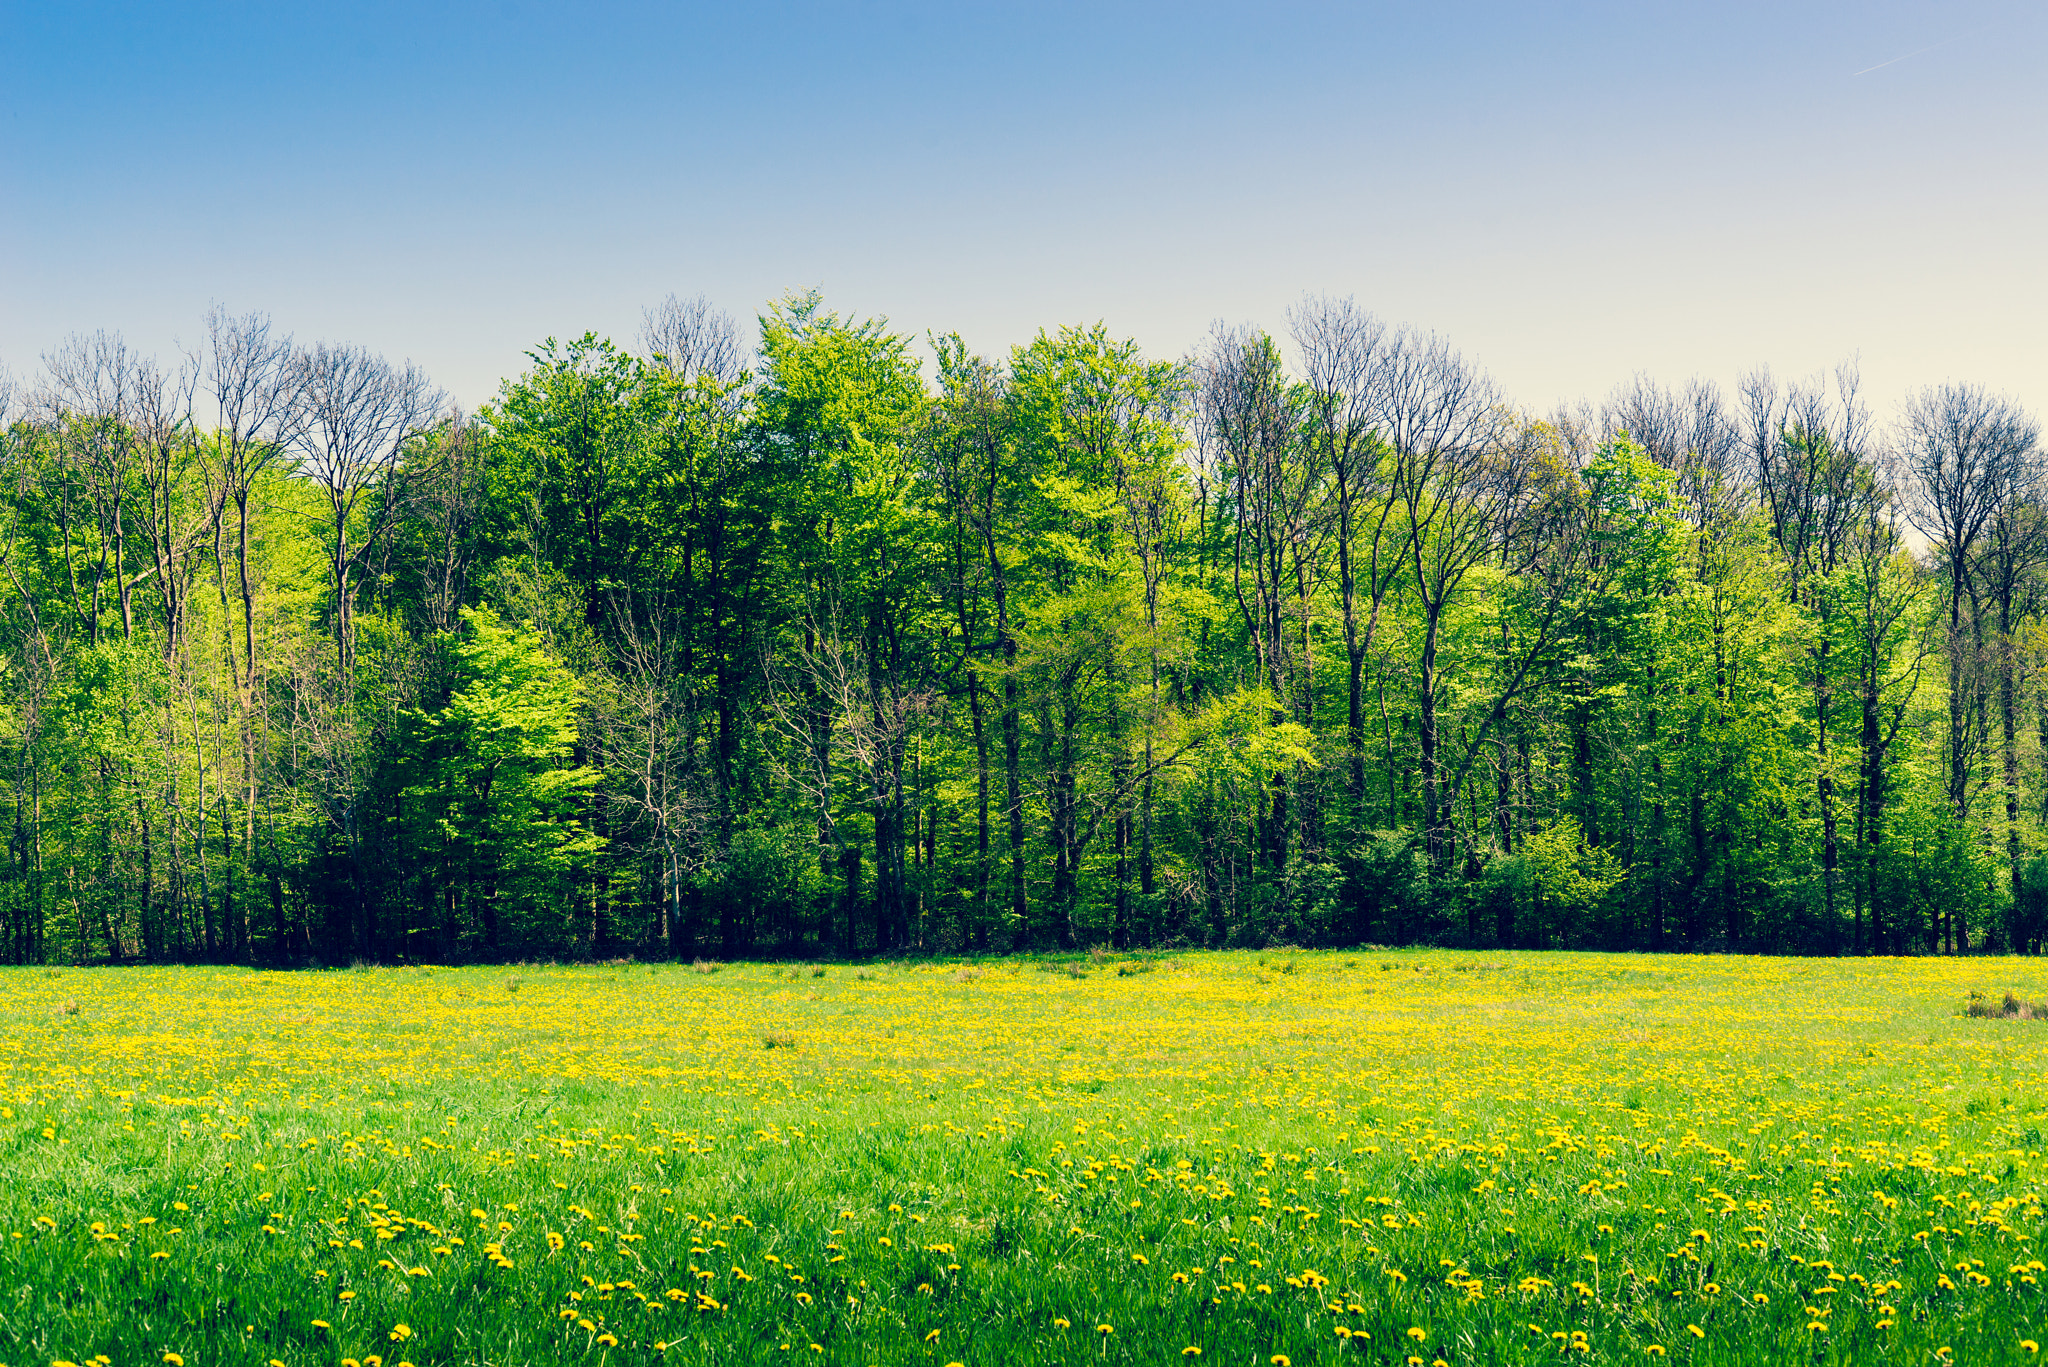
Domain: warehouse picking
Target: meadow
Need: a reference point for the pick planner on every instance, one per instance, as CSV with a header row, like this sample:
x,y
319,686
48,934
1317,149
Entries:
x,y
1263,1160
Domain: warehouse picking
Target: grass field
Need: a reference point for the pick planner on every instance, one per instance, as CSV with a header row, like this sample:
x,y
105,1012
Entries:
x,y
1367,1157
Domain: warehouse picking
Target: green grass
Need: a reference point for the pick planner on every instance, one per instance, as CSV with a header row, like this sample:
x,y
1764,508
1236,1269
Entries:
x,y
942,1162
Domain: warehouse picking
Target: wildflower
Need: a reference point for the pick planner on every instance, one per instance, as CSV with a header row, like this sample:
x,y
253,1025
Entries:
x,y
1191,1351
174,1360
1695,1331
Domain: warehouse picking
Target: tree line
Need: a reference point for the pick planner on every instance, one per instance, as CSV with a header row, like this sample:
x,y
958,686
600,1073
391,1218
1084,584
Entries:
x,y
823,646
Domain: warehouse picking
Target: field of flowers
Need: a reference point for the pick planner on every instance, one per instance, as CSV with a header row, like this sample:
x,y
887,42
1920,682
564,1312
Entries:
x,y
1373,1157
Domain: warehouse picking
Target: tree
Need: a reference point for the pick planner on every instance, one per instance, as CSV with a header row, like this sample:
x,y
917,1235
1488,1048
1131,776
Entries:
x,y
1457,478
352,415
1967,453
1249,417
1347,358
1098,424
839,402
491,795
1815,488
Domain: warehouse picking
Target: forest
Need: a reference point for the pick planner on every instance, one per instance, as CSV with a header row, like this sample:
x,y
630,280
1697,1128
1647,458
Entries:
x,y
817,639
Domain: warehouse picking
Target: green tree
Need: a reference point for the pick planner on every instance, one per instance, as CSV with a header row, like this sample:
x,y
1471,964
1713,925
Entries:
x,y
494,803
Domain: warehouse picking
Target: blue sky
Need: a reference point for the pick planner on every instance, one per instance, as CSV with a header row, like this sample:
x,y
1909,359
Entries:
x,y
1572,192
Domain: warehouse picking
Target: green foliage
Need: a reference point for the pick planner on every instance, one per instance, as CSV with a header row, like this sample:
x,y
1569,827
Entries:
x,y
1547,889
498,803
1062,647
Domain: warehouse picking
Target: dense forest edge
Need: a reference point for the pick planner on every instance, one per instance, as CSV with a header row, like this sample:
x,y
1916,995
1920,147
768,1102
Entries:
x,y
839,644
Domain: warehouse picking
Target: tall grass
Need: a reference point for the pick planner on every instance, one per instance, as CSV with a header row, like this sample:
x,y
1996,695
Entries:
x,y
1301,1158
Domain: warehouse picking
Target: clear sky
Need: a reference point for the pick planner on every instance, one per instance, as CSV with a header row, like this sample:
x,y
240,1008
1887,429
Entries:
x,y
1573,192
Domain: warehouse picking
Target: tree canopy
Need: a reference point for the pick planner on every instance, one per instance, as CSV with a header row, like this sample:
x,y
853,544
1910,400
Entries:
x,y
865,643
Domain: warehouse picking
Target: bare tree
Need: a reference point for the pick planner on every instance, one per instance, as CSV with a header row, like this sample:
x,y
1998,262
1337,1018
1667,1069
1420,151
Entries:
x,y
447,495
654,747
1457,481
174,524
248,371
1968,453
353,413
872,711
1809,442
1883,601
1345,355
689,338
1247,425
1691,432
2014,545
88,403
